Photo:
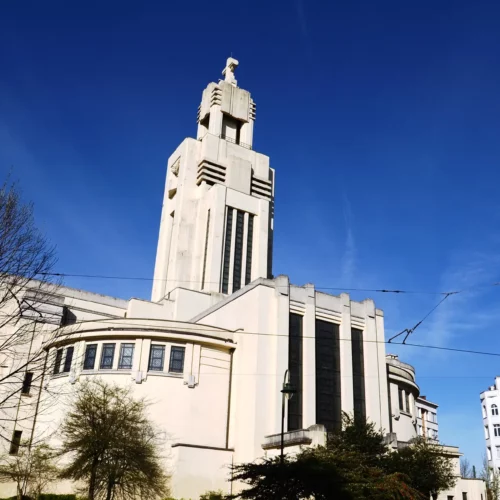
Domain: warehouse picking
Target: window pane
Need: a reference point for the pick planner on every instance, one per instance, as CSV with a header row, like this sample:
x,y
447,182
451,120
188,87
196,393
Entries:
x,y
156,357
28,378
176,360
90,354
57,363
400,396
108,353
407,400
68,359
126,356
16,441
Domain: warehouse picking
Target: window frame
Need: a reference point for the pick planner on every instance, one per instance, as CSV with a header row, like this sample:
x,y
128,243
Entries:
x,y
15,442
401,399
494,410
103,356
68,359
57,361
407,402
496,430
174,349
123,346
156,347
86,357
27,382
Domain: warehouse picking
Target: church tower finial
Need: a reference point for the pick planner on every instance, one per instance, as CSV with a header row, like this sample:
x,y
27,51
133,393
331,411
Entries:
x,y
228,71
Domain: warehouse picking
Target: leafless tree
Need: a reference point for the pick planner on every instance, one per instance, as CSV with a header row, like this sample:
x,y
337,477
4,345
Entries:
x,y
492,479
465,468
31,470
28,314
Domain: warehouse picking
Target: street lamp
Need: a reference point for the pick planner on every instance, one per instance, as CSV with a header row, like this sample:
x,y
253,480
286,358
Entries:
x,y
287,393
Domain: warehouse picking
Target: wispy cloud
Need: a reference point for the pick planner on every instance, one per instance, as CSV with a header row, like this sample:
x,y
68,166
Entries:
x,y
303,25
299,7
463,314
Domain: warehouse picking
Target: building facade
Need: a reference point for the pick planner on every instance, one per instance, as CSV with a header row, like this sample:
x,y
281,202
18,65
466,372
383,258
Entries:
x,y
212,346
427,422
490,405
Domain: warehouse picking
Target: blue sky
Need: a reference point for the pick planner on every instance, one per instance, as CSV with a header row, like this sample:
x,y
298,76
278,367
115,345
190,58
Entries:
x,y
381,119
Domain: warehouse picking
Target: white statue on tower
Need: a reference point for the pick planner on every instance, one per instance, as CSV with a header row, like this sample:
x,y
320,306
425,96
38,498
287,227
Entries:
x,y
228,71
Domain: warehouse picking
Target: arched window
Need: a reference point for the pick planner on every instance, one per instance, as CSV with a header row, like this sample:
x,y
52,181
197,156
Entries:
x,y
494,409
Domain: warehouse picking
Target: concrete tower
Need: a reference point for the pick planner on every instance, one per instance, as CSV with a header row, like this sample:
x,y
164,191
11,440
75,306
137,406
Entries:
x,y
217,218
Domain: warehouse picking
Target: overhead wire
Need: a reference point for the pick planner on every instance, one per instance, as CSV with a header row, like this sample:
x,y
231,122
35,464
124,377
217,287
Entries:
x,y
242,332
143,278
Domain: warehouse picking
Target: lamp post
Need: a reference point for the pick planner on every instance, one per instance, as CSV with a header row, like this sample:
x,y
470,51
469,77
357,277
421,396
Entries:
x,y
287,393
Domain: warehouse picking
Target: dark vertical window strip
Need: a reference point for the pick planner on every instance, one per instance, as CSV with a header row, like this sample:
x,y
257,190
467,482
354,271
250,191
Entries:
x,y
238,250
295,367
69,359
206,251
328,395
16,442
57,362
227,250
358,374
248,271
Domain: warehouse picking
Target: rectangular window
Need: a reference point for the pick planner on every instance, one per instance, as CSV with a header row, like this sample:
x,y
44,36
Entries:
x,y
295,367
206,251
407,401
498,451
328,396
156,357
358,373
90,355
107,356
126,356
227,250
496,430
248,271
16,442
28,379
400,397
68,359
464,495
176,364
488,452
449,497
238,250
57,362
487,433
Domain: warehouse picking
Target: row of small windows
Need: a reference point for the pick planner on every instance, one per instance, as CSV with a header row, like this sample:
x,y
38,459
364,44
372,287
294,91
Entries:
x,y
125,358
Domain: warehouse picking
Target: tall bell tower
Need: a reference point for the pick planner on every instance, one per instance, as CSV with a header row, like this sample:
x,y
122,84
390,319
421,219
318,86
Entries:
x,y
216,227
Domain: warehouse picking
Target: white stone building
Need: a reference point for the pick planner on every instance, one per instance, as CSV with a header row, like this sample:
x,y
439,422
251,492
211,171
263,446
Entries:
x,y
212,346
427,423
490,406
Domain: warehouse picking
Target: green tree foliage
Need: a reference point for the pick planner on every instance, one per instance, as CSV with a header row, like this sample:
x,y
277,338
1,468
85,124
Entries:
x,y
355,465
427,466
213,495
32,469
111,445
